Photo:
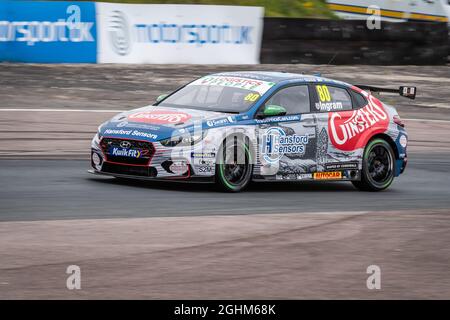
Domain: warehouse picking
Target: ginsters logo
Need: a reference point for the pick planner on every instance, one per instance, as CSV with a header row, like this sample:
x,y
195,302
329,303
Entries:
x,y
119,33
276,143
349,130
159,117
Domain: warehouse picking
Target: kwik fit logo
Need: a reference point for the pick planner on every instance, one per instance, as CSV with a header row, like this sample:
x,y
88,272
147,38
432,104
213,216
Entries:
x,y
276,143
121,152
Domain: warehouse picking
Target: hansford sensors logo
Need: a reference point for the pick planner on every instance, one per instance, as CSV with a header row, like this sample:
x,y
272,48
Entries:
x,y
276,143
119,33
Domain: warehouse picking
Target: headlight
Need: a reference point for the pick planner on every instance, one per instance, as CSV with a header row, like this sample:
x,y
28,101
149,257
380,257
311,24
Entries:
x,y
184,140
96,141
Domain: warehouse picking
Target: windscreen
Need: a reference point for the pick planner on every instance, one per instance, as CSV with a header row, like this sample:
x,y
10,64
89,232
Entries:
x,y
219,93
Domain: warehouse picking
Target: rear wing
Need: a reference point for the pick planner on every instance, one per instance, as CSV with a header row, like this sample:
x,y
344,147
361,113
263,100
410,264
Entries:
x,y
408,92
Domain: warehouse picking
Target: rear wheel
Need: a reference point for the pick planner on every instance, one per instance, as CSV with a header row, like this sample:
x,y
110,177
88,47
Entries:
x,y
234,166
378,166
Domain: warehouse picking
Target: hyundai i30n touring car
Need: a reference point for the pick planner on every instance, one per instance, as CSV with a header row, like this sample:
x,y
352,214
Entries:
x,y
236,127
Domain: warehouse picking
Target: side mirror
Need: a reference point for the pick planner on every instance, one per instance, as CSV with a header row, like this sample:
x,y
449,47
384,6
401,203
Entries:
x,y
273,110
161,97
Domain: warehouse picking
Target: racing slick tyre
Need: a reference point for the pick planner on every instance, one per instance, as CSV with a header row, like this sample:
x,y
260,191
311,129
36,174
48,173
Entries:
x,y
378,166
234,166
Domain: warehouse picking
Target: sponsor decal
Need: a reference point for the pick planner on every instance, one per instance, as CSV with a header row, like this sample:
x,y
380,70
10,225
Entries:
x,y
350,130
133,133
341,165
138,125
220,122
325,103
289,176
209,155
205,169
275,143
251,97
160,117
71,29
179,167
278,119
119,33
293,176
327,175
122,152
403,141
48,31
203,158
192,34
329,106
258,86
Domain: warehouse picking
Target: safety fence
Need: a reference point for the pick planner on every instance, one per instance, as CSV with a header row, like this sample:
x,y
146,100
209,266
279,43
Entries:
x,y
287,40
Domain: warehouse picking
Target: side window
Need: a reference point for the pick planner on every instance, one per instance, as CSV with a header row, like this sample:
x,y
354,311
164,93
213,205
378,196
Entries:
x,y
360,101
294,99
332,99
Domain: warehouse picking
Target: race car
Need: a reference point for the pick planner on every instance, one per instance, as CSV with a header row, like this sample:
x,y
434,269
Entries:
x,y
237,127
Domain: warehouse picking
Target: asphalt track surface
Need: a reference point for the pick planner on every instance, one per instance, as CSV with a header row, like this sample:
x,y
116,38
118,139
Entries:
x,y
62,189
188,241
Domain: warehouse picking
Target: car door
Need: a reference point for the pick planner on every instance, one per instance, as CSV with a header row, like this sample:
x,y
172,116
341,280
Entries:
x,y
333,108
287,144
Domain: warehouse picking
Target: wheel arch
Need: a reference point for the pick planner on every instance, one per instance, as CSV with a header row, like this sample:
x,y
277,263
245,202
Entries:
x,y
242,135
389,140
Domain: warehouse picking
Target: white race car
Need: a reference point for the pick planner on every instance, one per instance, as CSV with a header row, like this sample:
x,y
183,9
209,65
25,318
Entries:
x,y
232,128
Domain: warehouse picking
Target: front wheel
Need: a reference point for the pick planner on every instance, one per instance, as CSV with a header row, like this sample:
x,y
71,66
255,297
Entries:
x,y
378,166
234,165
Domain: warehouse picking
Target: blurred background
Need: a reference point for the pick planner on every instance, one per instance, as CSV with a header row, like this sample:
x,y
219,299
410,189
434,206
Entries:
x,y
68,66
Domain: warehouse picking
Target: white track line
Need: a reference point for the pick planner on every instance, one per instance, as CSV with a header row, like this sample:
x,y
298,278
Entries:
x,y
117,111
427,120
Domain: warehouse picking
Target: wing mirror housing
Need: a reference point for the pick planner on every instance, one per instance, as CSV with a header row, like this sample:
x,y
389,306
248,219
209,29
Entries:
x,y
273,110
161,97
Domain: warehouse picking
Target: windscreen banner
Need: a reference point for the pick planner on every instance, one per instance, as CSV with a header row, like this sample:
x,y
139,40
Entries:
x,y
48,32
191,34
90,32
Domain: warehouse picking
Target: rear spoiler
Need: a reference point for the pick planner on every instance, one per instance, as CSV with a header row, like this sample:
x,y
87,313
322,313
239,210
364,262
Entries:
x,y
408,92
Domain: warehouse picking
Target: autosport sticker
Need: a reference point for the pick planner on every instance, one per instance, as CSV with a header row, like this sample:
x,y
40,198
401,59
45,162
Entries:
x,y
160,117
349,130
334,175
236,82
275,143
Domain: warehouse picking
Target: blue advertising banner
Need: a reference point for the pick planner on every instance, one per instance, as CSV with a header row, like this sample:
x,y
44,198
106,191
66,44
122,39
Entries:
x,y
48,31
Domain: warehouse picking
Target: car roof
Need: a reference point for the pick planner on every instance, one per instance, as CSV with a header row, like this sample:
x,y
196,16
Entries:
x,y
278,77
